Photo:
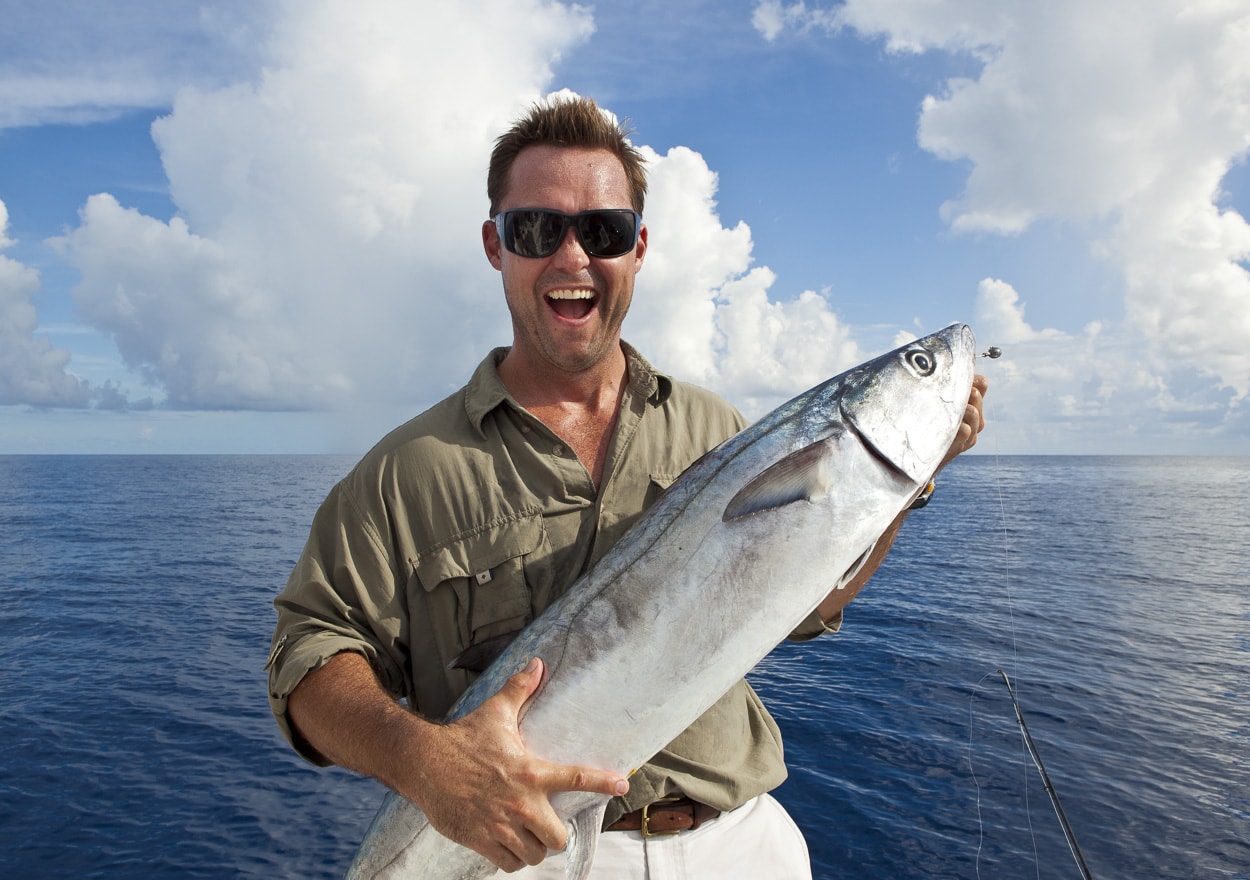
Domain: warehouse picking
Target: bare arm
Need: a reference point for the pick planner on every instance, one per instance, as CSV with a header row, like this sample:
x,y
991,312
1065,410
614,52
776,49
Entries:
x,y
966,437
473,778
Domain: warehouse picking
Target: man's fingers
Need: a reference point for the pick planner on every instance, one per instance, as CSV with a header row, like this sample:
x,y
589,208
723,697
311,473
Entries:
x,y
568,778
503,858
972,423
545,824
519,688
550,835
520,836
532,826
529,848
974,412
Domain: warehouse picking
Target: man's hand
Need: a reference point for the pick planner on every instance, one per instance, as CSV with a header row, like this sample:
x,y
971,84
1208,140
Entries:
x,y
480,787
973,422
473,778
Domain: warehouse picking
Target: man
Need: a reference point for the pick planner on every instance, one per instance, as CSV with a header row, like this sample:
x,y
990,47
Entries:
x,y
466,522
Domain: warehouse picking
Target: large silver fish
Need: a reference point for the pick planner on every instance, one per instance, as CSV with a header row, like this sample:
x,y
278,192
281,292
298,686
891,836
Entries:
x,y
735,555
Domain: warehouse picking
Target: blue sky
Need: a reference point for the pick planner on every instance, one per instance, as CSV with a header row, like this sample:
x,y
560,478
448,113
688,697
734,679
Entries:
x,y
253,226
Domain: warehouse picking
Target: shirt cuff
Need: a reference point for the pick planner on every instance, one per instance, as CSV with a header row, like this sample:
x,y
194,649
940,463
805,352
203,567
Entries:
x,y
814,626
293,656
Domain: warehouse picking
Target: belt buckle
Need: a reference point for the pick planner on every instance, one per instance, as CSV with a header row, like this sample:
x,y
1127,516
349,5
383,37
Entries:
x,y
646,817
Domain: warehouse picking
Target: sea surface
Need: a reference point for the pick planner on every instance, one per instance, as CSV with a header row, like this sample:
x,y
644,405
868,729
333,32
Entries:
x,y
135,738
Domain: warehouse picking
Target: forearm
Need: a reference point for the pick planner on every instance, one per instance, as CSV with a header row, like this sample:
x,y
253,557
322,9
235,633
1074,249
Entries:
x,y
345,714
473,778
840,598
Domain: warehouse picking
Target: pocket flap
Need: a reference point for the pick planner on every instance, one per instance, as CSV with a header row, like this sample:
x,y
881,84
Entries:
x,y
480,550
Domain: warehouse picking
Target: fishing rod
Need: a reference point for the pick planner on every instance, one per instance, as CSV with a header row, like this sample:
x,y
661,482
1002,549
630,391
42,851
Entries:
x,y
1050,789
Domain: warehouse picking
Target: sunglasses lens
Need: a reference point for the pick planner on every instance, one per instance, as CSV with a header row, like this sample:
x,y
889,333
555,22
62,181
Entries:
x,y
532,233
608,233
535,233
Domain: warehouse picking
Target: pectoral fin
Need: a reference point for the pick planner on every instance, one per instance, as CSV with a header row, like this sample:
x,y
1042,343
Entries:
x,y
583,841
855,568
800,476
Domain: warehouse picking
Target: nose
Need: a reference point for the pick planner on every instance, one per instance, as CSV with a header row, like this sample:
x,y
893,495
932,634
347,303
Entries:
x,y
571,254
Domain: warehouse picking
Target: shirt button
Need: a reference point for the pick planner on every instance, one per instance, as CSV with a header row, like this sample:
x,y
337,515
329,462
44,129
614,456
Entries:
x,y
557,449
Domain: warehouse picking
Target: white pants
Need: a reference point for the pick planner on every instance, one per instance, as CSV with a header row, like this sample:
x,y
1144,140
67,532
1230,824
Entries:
x,y
757,841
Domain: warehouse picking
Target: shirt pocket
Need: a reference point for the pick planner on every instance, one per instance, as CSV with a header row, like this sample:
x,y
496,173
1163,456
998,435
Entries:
x,y
657,486
493,571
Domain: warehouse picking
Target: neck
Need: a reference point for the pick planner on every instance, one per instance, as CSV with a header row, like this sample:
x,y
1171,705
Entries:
x,y
580,408
543,386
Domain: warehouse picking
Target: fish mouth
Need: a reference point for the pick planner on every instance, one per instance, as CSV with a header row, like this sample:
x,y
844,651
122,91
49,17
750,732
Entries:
x,y
572,303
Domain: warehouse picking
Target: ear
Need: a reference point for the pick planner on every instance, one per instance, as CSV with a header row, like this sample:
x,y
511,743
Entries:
x,y
640,250
492,245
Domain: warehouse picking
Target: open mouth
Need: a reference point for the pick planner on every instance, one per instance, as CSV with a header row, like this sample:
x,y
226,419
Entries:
x,y
573,304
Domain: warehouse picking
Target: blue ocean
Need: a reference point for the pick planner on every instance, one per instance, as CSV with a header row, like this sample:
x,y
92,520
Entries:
x,y
135,739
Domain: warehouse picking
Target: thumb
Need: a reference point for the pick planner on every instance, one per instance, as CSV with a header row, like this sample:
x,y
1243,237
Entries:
x,y
520,687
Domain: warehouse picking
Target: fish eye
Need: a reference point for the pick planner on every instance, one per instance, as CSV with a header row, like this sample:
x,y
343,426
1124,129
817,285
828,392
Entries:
x,y
921,360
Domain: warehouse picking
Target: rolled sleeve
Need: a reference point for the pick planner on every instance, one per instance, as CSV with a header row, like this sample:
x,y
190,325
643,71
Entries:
x,y
343,596
294,655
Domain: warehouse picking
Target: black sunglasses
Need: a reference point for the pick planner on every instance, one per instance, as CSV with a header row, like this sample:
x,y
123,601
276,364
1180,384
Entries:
x,y
537,232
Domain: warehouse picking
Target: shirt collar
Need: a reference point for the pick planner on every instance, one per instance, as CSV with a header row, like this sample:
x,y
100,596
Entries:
x,y
486,390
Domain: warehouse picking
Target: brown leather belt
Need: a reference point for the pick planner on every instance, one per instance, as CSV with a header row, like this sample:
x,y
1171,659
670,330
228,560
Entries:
x,y
666,816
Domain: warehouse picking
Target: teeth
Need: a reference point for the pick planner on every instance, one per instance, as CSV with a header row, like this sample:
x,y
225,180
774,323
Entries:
x,y
571,294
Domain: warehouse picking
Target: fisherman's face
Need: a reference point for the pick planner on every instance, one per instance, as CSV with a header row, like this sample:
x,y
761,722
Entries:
x,y
566,308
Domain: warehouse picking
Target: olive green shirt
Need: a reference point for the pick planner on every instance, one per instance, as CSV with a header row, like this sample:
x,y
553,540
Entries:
x,y
466,522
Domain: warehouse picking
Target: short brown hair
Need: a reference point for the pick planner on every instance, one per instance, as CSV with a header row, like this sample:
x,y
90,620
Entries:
x,y
565,122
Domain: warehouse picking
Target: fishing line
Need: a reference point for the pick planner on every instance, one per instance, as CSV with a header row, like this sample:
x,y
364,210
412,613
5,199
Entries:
x,y
976,782
994,352
1027,740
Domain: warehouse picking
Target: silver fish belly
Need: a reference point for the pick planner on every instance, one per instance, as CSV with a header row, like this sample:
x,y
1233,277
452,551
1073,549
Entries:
x,y
735,555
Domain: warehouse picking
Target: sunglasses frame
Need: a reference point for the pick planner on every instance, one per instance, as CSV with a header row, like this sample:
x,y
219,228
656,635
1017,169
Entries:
x,y
566,220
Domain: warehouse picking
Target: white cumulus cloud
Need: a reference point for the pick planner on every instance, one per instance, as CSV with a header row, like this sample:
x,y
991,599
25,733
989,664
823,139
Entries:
x,y
328,179
1097,390
326,250
707,315
1125,113
32,371
1121,119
